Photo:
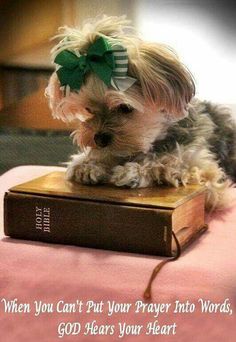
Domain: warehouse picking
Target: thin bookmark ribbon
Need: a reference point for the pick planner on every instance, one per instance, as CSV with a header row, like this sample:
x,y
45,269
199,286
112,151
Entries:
x,y
148,293
109,63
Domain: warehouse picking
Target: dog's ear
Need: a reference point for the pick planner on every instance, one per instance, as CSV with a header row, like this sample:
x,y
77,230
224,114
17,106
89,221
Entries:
x,y
54,94
64,106
165,81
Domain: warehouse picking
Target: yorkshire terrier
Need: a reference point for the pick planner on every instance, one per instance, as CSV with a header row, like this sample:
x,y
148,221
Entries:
x,y
139,124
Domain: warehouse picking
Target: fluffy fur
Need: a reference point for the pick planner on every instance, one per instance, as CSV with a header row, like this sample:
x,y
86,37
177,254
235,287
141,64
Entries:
x,y
160,133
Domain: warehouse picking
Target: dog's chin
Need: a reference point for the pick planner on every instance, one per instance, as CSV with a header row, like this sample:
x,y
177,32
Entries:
x,y
112,152
123,154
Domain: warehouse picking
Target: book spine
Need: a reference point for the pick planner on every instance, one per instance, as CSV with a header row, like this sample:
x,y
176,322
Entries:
x,y
87,223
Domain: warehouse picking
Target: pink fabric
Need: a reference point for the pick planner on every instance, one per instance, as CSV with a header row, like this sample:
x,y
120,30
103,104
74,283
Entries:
x,y
32,271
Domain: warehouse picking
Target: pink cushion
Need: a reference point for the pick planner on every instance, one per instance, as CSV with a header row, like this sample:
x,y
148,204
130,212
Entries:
x,y
31,271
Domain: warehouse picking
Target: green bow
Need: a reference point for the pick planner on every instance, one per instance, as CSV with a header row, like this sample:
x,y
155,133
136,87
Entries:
x,y
109,64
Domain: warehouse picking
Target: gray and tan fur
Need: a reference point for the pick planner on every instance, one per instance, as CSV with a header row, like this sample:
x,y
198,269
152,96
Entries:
x,y
154,133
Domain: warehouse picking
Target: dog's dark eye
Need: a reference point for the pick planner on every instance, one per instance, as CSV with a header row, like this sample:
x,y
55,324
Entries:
x,y
88,110
125,109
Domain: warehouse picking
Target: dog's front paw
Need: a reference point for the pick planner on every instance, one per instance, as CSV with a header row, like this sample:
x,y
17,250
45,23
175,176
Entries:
x,y
131,175
87,173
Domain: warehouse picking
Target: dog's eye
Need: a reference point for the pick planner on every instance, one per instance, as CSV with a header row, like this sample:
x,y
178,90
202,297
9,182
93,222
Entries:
x,y
125,109
88,110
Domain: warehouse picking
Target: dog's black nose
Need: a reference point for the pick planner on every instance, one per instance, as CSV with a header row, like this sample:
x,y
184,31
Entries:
x,y
103,139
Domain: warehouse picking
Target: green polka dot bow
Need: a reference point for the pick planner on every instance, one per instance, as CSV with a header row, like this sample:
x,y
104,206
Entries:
x,y
109,63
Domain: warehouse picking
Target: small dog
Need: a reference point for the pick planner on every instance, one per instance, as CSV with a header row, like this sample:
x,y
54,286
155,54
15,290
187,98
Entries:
x,y
139,124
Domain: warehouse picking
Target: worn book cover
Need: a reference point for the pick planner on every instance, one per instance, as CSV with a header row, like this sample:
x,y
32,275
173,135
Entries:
x,y
51,209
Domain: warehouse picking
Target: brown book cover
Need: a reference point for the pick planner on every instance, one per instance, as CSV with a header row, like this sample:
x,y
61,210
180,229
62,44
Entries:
x,y
51,209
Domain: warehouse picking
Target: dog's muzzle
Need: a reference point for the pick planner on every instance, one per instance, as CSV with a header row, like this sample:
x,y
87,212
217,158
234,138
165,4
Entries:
x,y
103,139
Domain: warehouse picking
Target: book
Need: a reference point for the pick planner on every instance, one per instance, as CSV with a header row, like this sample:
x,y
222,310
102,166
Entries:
x,y
53,210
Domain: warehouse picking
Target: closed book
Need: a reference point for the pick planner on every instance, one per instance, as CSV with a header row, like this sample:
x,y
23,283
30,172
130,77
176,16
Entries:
x,y
51,209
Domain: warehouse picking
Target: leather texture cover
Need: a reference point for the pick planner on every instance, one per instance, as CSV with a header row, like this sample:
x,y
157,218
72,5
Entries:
x,y
101,218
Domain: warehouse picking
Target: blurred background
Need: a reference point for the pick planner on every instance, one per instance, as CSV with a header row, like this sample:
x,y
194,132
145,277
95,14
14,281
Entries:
x,y
202,32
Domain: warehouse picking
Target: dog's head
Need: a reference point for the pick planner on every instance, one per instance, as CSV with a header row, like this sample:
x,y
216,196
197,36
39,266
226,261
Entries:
x,y
110,119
